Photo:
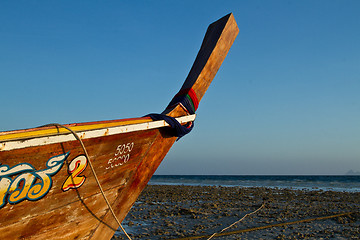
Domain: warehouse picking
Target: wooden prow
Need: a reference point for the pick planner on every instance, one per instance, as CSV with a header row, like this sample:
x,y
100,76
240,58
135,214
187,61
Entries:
x,y
35,204
218,39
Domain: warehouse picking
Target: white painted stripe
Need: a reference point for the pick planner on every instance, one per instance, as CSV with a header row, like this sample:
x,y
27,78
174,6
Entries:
x,y
40,141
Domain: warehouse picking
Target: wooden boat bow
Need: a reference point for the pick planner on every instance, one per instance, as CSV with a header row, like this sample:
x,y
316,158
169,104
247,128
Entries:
x,y
48,192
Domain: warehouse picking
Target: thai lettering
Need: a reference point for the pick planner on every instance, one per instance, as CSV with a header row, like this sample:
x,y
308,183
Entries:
x,y
76,167
24,182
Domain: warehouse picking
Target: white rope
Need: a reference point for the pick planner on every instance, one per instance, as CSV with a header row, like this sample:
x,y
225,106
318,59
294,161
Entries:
x,y
263,205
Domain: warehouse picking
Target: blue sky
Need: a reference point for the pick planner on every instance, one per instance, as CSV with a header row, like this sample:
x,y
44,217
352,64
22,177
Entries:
x,y
285,101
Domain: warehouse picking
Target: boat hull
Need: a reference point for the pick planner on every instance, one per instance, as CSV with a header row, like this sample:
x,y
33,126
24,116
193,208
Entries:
x,y
124,164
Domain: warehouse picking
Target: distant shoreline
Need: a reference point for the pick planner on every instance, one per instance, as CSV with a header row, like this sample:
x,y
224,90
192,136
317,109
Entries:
x,y
339,183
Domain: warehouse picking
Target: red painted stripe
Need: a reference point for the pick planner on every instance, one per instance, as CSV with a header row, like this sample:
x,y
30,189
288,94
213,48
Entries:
x,y
194,98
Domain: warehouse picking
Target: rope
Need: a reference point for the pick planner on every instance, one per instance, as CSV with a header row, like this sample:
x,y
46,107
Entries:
x,y
94,173
248,214
180,130
188,100
268,226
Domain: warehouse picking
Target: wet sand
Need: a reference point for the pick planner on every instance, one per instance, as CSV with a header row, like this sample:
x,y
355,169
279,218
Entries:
x,y
171,212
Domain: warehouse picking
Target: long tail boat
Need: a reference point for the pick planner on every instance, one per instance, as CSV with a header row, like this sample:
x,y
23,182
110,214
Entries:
x,y
78,181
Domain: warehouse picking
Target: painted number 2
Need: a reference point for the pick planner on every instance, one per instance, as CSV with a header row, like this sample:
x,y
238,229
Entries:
x,y
121,156
76,167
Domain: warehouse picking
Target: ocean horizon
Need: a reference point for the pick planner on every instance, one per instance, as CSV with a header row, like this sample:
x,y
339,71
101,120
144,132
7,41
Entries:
x,y
339,183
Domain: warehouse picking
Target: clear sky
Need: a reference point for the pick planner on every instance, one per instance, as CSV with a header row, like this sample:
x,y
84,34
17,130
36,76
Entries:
x,y
285,101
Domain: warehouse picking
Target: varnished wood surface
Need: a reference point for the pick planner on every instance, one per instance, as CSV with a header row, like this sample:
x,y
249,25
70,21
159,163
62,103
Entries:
x,y
82,213
74,206
50,130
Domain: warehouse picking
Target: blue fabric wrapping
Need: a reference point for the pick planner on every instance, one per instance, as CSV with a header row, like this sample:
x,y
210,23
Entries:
x,y
180,130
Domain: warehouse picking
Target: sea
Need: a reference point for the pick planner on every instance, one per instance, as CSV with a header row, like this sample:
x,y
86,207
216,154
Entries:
x,y
339,183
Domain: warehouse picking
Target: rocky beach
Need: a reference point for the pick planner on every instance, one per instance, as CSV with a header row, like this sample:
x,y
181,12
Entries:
x,y
196,212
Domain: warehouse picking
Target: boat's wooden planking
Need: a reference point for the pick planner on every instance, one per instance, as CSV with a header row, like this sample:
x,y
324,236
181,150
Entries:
x,y
115,160
144,171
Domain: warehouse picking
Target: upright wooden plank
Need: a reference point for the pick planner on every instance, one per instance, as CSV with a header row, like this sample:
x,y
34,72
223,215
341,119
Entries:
x,y
217,42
